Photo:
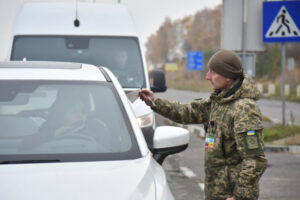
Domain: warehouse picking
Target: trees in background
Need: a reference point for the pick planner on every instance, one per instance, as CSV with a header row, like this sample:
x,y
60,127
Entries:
x,y
202,32
172,40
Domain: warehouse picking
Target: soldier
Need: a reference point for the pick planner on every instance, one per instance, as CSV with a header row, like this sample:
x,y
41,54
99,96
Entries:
x,y
234,147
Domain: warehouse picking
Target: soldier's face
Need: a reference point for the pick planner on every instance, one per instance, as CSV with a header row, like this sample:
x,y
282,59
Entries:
x,y
217,81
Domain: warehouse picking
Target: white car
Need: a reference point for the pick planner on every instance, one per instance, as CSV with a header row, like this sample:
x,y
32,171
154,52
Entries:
x,y
68,131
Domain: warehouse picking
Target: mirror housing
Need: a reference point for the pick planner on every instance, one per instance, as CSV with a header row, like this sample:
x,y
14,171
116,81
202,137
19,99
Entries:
x,y
159,81
169,140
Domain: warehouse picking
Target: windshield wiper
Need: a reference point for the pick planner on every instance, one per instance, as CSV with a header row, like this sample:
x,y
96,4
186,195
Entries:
x,y
28,161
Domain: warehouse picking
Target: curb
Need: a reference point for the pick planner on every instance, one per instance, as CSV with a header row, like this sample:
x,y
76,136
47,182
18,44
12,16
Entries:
x,y
276,148
282,148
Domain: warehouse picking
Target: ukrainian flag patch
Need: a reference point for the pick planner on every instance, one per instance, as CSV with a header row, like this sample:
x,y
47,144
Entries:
x,y
252,140
251,133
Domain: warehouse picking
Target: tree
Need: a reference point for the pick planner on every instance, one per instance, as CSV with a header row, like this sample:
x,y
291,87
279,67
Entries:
x,y
173,39
204,33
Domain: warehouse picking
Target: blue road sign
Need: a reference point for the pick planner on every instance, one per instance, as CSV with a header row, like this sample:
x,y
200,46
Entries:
x,y
195,60
281,21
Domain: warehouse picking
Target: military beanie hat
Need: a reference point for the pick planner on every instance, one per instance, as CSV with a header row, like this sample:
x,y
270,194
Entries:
x,y
226,63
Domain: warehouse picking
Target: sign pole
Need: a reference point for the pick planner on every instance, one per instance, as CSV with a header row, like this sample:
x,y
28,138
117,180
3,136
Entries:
x,y
244,23
283,81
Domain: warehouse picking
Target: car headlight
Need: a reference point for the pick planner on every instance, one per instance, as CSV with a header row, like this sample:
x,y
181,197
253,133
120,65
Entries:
x,y
146,120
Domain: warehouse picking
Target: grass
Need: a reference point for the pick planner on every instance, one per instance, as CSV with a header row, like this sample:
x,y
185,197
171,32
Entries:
x,y
266,119
277,132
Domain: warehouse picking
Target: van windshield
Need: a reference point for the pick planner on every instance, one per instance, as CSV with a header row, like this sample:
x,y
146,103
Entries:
x,y
121,55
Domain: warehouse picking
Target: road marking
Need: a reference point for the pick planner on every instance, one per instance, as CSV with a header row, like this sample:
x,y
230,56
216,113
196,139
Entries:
x,y
187,172
201,185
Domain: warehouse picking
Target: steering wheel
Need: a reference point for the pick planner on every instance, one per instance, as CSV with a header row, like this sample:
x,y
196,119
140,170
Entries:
x,y
72,142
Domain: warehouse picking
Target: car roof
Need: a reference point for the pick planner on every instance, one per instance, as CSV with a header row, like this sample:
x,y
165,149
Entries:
x,y
57,18
44,70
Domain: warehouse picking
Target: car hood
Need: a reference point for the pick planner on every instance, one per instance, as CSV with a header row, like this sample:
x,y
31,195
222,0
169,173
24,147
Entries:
x,y
109,180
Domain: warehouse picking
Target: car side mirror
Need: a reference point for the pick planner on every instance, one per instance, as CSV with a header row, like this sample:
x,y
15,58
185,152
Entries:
x,y
169,140
159,81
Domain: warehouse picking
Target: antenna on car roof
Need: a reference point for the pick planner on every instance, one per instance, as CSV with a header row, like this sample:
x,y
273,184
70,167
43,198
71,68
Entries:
x,y
76,21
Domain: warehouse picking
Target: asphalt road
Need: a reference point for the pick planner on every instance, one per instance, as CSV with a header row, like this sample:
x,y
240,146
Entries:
x,y
185,171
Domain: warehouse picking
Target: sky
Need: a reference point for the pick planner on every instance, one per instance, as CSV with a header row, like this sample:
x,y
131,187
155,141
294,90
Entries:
x,y
148,14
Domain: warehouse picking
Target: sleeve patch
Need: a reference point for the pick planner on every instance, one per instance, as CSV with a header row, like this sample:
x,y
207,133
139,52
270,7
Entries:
x,y
252,140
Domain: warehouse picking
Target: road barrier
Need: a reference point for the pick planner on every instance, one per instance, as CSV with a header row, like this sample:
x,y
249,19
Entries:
x,y
272,90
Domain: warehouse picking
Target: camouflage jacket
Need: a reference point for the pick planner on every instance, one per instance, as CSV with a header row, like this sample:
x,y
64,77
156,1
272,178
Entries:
x,y
234,149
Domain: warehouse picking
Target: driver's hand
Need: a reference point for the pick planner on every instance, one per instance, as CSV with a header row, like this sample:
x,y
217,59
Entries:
x,y
62,130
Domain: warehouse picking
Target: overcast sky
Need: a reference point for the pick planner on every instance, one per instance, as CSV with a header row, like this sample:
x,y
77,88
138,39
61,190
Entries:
x,y
148,14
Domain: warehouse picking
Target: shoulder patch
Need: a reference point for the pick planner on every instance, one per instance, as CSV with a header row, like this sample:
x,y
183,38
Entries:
x,y
252,140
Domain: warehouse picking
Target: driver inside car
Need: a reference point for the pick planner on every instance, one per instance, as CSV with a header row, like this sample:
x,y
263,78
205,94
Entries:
x,y
72,120
68,116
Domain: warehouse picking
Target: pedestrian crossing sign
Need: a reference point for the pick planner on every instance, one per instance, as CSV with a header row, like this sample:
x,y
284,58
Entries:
x,y
281,21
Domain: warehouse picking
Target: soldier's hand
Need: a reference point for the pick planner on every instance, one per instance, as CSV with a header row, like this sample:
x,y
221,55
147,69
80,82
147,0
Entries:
x,y
148,97
230,198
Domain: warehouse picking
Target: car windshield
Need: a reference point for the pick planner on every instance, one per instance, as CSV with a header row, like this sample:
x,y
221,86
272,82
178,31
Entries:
x,y
121,55
65,121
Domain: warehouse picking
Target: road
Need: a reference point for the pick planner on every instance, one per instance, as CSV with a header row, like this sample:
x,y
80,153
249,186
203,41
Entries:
x,y
185,171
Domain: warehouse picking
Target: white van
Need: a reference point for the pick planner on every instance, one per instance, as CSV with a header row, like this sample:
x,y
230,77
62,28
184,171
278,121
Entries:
x,y
93,33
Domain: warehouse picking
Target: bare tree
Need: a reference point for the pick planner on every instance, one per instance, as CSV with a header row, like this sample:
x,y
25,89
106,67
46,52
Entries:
x,y
172,39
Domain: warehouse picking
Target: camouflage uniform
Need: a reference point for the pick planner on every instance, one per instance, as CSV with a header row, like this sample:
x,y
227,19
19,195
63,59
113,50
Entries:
x,y
234,149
